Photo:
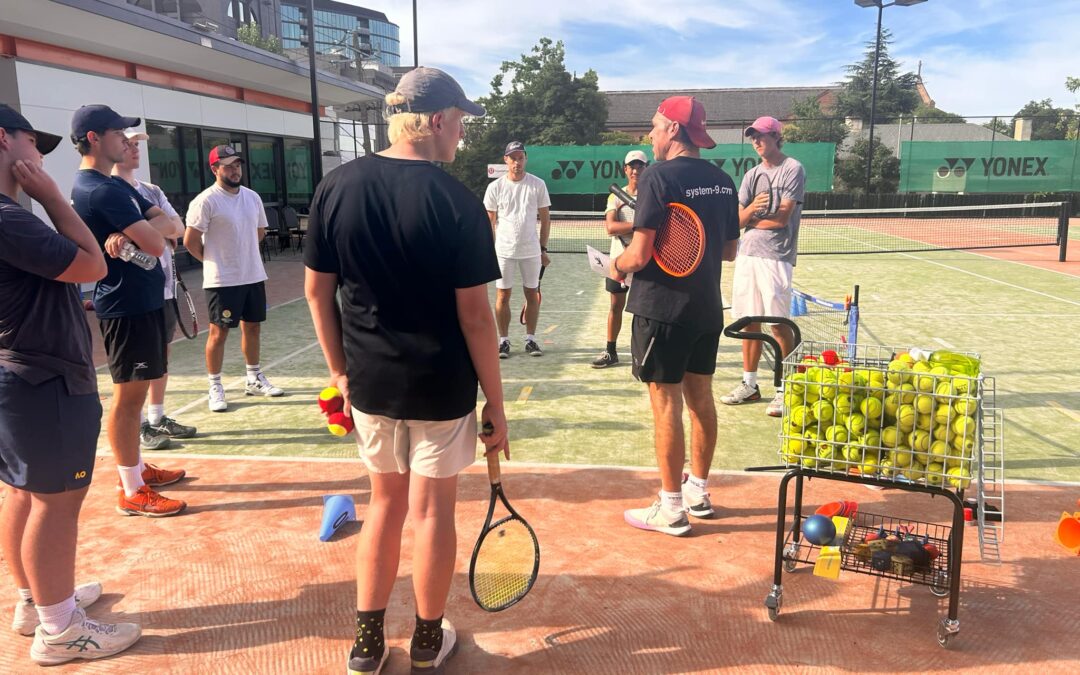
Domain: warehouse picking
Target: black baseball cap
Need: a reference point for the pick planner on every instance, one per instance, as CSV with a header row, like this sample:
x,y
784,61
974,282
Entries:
x,y
98,118
514,146
12,119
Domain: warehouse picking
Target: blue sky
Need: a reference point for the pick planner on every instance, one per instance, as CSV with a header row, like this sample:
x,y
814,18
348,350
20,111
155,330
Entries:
x,y
980,57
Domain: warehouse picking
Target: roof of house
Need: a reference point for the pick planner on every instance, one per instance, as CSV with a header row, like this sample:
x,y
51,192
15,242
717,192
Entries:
x,y
889,134
633,109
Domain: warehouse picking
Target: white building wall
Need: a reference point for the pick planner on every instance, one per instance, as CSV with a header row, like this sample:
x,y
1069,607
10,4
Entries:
x,y
49,96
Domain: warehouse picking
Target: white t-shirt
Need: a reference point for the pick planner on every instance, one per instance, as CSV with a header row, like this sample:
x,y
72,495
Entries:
x,y
517,205
623,214
156,196
230,225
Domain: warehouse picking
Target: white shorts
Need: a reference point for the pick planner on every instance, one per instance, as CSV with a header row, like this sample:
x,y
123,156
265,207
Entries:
x,y
528,268
761,287
431,449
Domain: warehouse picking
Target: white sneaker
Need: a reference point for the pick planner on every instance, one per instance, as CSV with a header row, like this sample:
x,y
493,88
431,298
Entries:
x,y
216,398
426,661
776,405
26,616
262,387
657,519
84,638
743,393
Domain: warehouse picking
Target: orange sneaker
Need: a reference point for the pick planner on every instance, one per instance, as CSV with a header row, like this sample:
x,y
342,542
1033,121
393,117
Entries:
x,y
147,502
157,477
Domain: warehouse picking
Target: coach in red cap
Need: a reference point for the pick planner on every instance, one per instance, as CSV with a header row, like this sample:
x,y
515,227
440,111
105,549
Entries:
x,y
677,320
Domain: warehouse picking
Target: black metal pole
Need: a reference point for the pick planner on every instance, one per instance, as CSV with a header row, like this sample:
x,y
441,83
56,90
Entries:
x,y
316,130
873,99
415,42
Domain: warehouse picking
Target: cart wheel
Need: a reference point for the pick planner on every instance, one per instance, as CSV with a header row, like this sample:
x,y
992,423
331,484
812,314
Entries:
x,y
939,584
789,565
791,555
773,603
946,631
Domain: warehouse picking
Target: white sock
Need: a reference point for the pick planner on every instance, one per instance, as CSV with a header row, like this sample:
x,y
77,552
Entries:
x,y
155,413
697,485
531,338
671,501
215,378
25,595
253,371
131,478
750,378
56,618
503,338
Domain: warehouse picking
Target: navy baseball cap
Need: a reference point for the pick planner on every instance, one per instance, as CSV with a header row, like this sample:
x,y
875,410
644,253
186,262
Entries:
x,y
431,90
12,119
514,146
98,118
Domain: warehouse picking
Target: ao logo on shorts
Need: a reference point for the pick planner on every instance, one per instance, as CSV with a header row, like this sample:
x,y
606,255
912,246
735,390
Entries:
x,y
79,475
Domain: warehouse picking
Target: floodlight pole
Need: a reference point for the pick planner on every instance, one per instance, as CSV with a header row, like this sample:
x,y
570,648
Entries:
x,y
415,43
873,99
316,126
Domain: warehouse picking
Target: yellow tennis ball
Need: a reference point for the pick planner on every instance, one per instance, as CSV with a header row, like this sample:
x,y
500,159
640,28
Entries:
x,y
958,478
853,453
907,393
943,414
924,404
966,406
889,437
796,384
919,440
905,417
856,424
801,416
823,410
886,468
842,404
871,408
965,444
916,471
891,404
963,386
902,456
964,426
942,433
872,438
837,434
898,372
934,473
944,392
924,422
924,383
939,450
793,449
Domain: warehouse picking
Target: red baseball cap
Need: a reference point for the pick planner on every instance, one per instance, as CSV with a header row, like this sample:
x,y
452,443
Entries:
x,y
688,111
225,154
764,125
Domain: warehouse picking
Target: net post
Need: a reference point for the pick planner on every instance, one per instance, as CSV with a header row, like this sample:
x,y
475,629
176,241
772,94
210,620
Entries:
x,y
1063,232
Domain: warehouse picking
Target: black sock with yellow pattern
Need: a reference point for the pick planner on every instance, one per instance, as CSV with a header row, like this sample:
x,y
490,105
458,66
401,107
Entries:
x,y
428,637
370,643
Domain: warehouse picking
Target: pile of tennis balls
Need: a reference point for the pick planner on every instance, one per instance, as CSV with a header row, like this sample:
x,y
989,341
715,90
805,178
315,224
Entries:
x,y
913,420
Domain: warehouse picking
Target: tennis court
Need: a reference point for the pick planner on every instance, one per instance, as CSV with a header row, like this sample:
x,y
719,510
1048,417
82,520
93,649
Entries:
x,y
211,586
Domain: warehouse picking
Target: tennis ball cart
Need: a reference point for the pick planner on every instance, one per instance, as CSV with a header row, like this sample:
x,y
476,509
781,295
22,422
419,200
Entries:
x,y
906,419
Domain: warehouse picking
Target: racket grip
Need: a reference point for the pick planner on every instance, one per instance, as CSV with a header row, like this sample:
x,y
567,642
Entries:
x,y
494,472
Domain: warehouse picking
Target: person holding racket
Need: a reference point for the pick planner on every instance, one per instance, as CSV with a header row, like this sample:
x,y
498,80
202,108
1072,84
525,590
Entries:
x,y
770,199
514,203
675,300
156,429
619,220
410,252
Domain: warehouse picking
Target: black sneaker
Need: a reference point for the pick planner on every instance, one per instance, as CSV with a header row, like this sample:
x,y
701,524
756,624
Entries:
x,y
429,662
606,359
149,439
533,349
173,429
504,349
365,665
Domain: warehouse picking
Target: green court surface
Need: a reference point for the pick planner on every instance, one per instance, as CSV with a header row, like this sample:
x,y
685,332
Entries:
x,y
1021,318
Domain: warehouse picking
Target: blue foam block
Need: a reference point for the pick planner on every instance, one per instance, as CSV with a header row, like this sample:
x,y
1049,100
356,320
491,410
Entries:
x,y
337,510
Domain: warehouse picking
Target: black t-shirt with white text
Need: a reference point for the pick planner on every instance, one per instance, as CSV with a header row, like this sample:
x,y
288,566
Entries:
x,y
108,204
43,329
402,235
693,301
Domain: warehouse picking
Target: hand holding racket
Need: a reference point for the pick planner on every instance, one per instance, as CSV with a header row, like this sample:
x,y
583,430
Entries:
x,y
764,204
680,240
506,559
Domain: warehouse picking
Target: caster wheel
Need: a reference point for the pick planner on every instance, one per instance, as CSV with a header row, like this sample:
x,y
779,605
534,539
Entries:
x,y
773,613
791,554
772,604
947,631
939,585
789,565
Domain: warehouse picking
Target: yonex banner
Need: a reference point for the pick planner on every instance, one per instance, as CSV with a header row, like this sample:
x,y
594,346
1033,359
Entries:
x,y
988,166
590,169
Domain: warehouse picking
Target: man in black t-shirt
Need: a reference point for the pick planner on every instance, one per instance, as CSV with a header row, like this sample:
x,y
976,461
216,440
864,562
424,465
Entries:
x,y
410,252
129,301
677,321
50,414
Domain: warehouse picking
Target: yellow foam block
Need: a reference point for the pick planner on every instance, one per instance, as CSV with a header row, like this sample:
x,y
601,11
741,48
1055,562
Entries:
x,y
828,563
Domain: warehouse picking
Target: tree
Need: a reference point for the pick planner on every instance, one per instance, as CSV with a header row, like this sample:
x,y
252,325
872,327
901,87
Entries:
x,y
999,126
1047,122
810,125
928,114
543,105
1072,84
896,93
619,138
884,169
251,34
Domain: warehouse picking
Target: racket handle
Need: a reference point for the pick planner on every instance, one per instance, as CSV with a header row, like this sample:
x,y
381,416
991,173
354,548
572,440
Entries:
x,y
494,472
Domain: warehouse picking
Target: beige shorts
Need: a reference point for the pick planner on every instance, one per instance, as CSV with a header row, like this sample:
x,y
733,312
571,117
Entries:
x,y
760,287
431,449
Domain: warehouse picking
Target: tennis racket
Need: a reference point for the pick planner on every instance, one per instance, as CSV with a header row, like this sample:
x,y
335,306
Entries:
x,y
680,240
506,559
763,185
188,321
539,297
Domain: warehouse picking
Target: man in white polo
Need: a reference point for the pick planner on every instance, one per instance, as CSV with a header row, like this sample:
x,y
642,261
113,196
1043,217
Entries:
x,y
514,203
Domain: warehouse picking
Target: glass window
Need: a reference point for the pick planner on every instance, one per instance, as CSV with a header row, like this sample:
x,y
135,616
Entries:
x,y
194,162
164,160
262,167
298,173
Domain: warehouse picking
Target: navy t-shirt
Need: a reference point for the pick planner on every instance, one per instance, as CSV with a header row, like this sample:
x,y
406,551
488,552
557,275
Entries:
x,y
43,329
107,205
402,236
693,301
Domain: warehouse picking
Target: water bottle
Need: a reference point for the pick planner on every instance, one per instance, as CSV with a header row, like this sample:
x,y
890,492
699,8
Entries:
x,y
133,254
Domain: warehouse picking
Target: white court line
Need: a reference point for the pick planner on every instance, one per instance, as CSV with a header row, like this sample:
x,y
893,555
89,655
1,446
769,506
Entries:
x,y
1006,315
579,293
478,466
943,343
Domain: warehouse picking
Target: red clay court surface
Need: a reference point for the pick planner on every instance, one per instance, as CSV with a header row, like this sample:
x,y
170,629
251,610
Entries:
x,y
241,584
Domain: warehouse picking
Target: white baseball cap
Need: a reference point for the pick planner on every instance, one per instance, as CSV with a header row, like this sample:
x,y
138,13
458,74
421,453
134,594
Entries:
x,y
636,156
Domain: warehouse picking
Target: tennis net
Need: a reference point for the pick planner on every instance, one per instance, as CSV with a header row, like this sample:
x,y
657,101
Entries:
x,y
858,231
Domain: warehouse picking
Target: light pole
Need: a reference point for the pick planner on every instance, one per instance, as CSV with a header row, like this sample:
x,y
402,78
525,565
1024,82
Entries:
x,y
316,127
881,5
415,44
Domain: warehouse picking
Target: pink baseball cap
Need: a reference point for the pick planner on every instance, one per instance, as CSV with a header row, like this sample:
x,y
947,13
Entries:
x,y
764,125
688,111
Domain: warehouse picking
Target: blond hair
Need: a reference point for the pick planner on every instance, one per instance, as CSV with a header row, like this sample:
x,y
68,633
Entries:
x,y
407,126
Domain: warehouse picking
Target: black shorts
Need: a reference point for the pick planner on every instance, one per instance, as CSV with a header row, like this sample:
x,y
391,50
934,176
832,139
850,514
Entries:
x,y
135,346
48,438
229,305
170,320
664,352
612,286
